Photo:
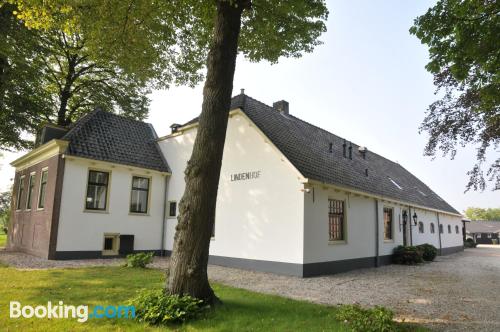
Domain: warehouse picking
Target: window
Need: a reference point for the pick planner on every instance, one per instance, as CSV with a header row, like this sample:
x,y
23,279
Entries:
x,y
111,244
478,235
489,235
172,209
456,229
449,228
43,185
140,195
20,192
31,187
97,191
336,220
388,218
421,227
432,228
441,229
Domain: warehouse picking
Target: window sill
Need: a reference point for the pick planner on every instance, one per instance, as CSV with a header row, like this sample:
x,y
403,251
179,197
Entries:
x,y
96,211
388,241
138,214
337,242
172,217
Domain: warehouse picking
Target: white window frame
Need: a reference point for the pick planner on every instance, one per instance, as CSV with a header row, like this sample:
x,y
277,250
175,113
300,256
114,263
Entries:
x,y
169,216
20,192
45,169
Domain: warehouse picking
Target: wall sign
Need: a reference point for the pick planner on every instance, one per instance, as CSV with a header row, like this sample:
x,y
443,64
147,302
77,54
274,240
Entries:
x,y
245,176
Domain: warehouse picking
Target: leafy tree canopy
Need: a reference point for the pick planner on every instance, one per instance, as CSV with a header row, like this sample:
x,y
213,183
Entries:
x,y
475,213
464,48
169,40
50,76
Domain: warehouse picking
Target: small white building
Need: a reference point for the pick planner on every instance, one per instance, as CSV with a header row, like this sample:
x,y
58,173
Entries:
x,y
293,198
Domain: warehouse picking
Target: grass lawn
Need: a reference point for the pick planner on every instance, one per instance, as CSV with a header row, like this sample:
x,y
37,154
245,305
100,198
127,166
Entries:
x,y
242,310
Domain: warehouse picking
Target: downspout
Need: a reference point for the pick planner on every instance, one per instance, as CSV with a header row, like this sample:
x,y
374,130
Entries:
x,y
377,230
439,232
410,221
165,191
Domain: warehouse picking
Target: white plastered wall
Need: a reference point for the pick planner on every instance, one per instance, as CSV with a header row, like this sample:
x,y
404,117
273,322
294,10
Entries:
x,y
84,231
260,219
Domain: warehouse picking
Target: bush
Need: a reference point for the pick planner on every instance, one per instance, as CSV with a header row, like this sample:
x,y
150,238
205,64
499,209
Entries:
x,y
156,307
429,252
469,243
377,319
139,260
409,255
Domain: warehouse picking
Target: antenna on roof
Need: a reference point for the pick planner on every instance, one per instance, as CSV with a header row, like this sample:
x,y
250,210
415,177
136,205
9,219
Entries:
x,y
242,91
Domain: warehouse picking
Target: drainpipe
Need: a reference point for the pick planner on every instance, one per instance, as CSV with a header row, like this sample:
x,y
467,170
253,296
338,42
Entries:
x,y
377,230
410,220
439,232
165,191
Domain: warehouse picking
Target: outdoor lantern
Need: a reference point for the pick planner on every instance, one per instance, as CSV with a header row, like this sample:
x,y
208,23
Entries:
x,y
415,218
405,216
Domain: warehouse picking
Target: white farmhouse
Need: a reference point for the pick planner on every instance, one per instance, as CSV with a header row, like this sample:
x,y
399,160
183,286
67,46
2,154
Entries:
x,y
293,198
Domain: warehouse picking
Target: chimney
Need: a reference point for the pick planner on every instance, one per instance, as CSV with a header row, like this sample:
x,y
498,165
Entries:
x,y
49,132
175,127
363,150
281,106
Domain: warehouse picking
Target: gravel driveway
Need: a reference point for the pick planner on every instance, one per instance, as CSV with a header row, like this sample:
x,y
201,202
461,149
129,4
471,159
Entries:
x,y
459,292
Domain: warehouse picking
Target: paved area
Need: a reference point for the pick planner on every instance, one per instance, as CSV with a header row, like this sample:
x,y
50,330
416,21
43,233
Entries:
x,y
459,292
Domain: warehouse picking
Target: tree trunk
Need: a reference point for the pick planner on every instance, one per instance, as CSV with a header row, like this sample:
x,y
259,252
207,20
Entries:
x,y
188,265
65,93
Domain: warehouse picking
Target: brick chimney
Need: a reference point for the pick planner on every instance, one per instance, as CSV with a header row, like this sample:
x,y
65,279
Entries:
x,y
281,106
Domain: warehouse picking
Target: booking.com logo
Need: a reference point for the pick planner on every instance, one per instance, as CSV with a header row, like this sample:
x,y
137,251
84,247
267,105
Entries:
x,y
62,311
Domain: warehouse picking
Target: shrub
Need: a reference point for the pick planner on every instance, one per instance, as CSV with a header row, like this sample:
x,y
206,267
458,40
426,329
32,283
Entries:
x,y
377,319
156,307
469,243
429,252
139,260
409,255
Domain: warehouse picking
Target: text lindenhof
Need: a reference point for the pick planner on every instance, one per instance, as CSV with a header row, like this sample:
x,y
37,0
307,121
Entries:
x,y
245,176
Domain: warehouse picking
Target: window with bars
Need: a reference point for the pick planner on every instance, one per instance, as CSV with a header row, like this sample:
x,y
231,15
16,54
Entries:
x,y
97,191
432,228
140,195
449,228
43,186
456,230
336,218
31,187
388,220
421,227
441,229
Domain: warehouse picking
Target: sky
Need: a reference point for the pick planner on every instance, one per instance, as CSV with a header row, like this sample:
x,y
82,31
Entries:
x,y
366,83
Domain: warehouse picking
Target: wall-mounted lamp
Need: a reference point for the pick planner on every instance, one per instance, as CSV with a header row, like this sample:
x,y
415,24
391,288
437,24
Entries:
x,y
415,218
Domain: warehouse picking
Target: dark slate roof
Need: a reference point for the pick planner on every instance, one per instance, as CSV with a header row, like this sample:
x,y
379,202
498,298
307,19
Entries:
x,y
105,136
483,227
307,148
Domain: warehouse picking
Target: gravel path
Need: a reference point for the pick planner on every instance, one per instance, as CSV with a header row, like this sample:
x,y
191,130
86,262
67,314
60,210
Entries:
x,y
459,292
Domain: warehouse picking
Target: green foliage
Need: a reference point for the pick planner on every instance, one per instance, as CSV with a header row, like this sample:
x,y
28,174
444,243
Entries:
x,y
140,260
476,213
429,252
5,200
469,243
377,319
464,50
408,255
169,40
155,307
50,76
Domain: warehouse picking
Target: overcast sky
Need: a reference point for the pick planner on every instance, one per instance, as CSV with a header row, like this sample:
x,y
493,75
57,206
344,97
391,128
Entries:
x,y
366,83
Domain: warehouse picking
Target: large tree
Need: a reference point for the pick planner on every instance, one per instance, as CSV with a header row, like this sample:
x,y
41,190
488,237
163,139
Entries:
x,y
174,42
464,45
49,76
